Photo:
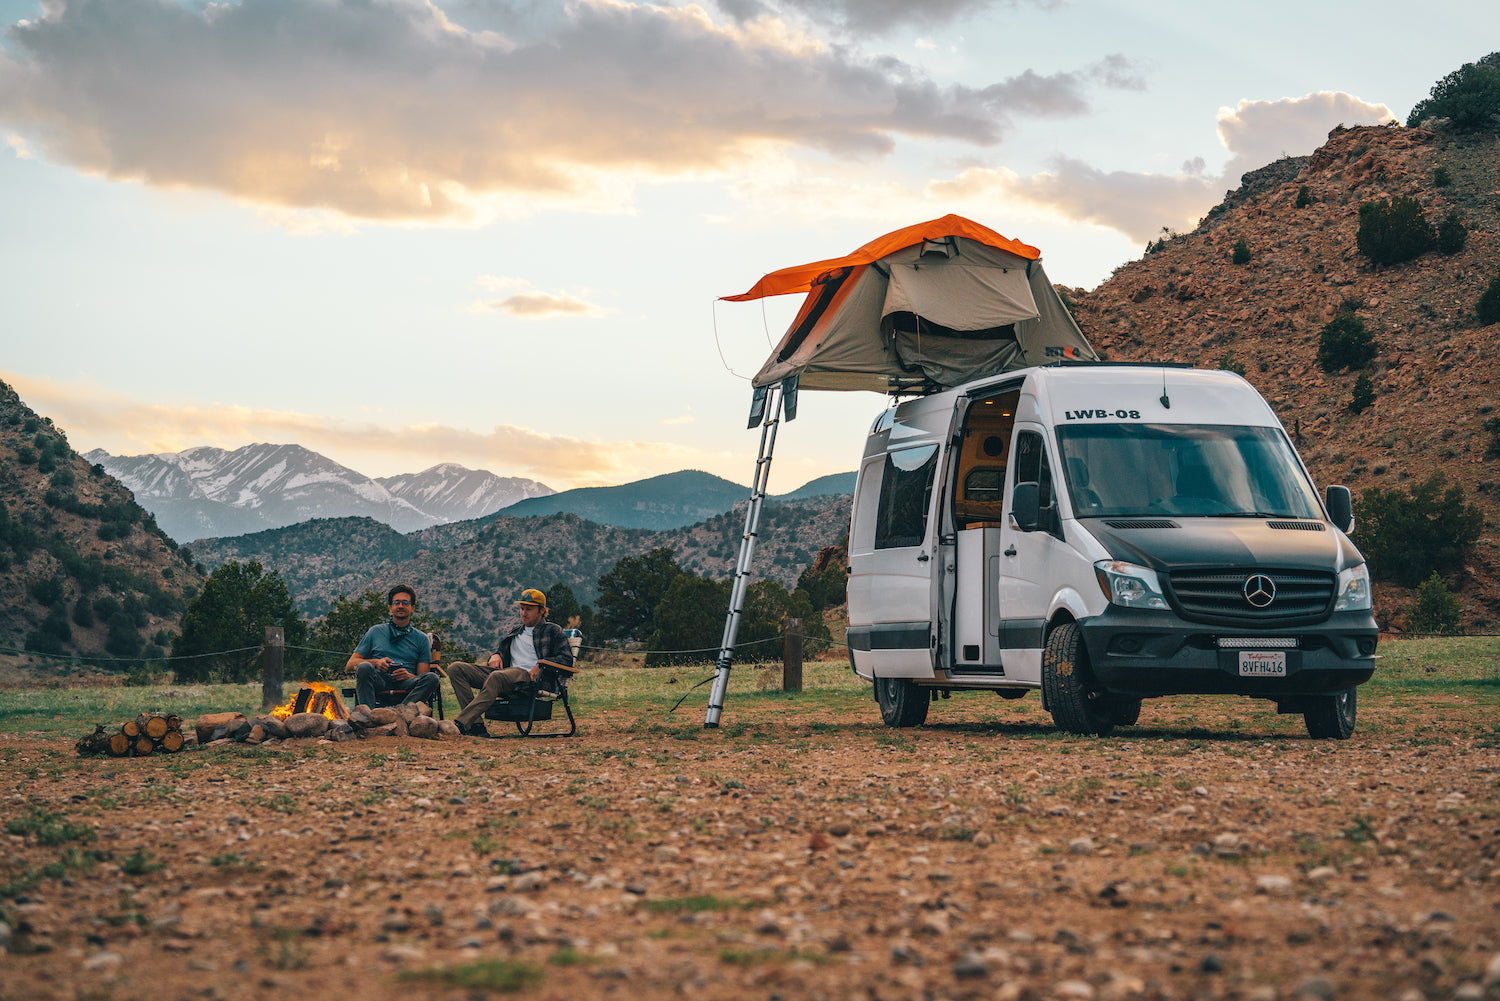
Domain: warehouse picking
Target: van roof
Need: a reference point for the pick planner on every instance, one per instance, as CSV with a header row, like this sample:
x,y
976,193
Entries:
x,y
1083,392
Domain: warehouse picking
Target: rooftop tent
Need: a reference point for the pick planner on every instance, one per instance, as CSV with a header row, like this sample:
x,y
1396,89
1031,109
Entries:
x,y
924,308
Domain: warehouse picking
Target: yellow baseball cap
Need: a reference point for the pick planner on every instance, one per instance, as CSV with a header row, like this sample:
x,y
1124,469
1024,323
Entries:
x,y
531,596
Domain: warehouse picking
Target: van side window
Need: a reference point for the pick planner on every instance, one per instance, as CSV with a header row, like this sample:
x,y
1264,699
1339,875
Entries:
x,y
905,497
1031,466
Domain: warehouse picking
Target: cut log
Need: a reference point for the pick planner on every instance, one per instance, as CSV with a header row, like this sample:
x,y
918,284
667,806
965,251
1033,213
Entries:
x,y
172,741
154,725
174,721
95,743
207,724
119,745
143,745
303,700
320,703
131,729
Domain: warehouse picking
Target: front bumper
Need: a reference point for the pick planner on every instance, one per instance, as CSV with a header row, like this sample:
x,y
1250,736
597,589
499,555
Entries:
x,y
1148,653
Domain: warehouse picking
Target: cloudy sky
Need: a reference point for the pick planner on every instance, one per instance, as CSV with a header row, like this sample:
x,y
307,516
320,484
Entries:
x,y
493,232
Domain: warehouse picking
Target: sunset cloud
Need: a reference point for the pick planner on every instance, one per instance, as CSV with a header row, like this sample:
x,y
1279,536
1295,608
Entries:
x,y
526,303
876,16
124,425
1139,204
389,110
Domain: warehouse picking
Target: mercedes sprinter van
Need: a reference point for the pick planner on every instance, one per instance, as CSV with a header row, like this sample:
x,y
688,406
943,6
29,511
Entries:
x,y
1104,533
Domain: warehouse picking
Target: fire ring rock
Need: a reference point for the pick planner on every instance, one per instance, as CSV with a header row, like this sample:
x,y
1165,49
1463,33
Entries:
x,y
425,727
306,725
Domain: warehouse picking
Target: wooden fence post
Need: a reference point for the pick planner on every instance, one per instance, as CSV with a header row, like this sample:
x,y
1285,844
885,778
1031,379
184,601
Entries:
x,y
791,655
270,664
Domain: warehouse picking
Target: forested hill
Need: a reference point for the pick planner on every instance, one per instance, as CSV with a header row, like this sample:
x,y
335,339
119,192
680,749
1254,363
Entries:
x,y
89,573
474,576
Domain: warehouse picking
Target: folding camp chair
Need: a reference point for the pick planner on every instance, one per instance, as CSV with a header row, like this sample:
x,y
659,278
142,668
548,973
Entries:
x,y
395,696
534,702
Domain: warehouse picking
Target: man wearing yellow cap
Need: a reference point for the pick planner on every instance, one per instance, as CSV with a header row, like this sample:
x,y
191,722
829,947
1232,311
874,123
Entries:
x,y
516,664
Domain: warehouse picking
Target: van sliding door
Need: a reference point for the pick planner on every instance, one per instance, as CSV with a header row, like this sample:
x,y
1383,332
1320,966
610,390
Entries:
x,y
890,584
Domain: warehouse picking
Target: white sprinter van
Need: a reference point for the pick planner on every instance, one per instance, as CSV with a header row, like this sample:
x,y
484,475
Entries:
x,y
1105,533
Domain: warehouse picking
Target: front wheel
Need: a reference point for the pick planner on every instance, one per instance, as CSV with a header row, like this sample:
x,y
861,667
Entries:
x,y
1331,717
902,703
1067,687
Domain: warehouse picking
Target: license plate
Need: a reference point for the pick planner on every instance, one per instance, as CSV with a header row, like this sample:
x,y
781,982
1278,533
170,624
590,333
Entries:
x,y
1262,664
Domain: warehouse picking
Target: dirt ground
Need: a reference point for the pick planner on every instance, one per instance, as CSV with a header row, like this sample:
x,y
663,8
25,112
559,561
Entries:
x,y
1213,851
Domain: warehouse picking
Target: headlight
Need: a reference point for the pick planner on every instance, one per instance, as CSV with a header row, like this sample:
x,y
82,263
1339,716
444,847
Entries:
x,y
1354,590
1128,585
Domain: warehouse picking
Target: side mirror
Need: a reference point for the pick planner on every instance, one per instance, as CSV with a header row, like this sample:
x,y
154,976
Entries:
x,y
1025,506
1340,508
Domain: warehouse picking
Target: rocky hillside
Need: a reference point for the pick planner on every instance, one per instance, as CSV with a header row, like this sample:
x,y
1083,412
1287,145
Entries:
x,y
90,577
1435,373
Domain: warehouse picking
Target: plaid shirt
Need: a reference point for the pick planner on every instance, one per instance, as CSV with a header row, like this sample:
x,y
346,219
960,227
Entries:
x,y
550,641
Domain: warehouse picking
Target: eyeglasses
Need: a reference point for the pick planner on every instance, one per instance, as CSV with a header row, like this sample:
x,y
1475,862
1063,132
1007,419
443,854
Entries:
x,y
400,601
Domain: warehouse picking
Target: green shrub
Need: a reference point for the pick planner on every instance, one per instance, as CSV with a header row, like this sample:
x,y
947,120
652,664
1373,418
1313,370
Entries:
x,y
1437,610
1229,363
1441,178
83,612
1492,450
1364,393
1393,231
1304,197
1452,234
1467,97
1407,536
1241,253
1488,306
1345,342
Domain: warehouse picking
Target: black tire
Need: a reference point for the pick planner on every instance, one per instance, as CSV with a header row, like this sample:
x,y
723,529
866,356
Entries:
x,y
1075,707
1123,712
1331,717
902,703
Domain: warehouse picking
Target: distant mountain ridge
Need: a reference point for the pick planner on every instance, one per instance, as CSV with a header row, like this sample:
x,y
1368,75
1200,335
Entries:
x,y
450,492
658,503
210,492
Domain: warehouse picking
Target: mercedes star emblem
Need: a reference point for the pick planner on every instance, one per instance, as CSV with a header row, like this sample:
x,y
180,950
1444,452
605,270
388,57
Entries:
x,y
1260,590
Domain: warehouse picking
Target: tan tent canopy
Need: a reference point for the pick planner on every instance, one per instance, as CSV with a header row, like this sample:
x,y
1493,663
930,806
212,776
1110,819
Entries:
x,y
921,309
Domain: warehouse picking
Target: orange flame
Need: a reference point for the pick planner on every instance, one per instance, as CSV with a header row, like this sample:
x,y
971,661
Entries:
x,y
313,696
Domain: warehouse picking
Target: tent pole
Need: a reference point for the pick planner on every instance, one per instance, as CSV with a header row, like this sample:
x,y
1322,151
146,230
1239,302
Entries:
x,y
768,427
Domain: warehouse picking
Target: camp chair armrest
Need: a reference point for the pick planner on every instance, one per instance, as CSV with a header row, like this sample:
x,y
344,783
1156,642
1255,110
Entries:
x,y
570,669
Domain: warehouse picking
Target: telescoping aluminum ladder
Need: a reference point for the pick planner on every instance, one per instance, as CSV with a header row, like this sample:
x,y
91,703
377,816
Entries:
x,y
766,409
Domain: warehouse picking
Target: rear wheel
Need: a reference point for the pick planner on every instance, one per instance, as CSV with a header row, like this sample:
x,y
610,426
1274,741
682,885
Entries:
x,y
1331,717
1067,686
902,703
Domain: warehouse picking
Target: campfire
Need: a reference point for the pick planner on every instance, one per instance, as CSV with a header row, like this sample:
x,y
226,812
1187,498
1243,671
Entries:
x,y
313,697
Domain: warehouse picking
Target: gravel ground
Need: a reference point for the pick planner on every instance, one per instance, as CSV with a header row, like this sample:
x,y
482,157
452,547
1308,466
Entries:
x,y
1213,851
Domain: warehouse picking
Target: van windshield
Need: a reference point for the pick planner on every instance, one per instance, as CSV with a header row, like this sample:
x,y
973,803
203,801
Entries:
x,y
1127,470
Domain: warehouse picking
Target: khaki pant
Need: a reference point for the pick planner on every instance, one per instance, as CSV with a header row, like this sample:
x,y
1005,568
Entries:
x,y
493,683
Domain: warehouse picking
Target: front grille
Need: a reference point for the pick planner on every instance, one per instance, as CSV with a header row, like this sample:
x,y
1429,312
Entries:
x,y
1296,526
1218,596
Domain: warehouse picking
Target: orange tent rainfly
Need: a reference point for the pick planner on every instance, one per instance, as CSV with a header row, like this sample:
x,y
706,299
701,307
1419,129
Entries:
x,y
925,308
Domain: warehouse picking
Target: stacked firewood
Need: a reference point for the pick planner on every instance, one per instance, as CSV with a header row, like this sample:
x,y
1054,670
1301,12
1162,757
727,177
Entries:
x,y
146,733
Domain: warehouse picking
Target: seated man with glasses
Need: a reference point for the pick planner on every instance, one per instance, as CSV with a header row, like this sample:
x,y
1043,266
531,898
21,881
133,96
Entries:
x,y
395,656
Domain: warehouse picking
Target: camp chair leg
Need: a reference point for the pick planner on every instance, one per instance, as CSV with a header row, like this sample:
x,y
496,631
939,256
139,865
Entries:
x,y
525,731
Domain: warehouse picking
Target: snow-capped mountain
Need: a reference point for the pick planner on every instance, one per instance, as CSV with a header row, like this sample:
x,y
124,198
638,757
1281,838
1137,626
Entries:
x,y
450,492
209,492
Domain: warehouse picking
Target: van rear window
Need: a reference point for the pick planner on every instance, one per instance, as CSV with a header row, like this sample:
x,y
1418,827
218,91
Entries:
x,y
905,497
1118,470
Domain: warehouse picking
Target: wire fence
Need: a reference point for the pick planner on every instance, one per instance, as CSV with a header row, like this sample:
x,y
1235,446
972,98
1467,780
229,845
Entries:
x,y
260,647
